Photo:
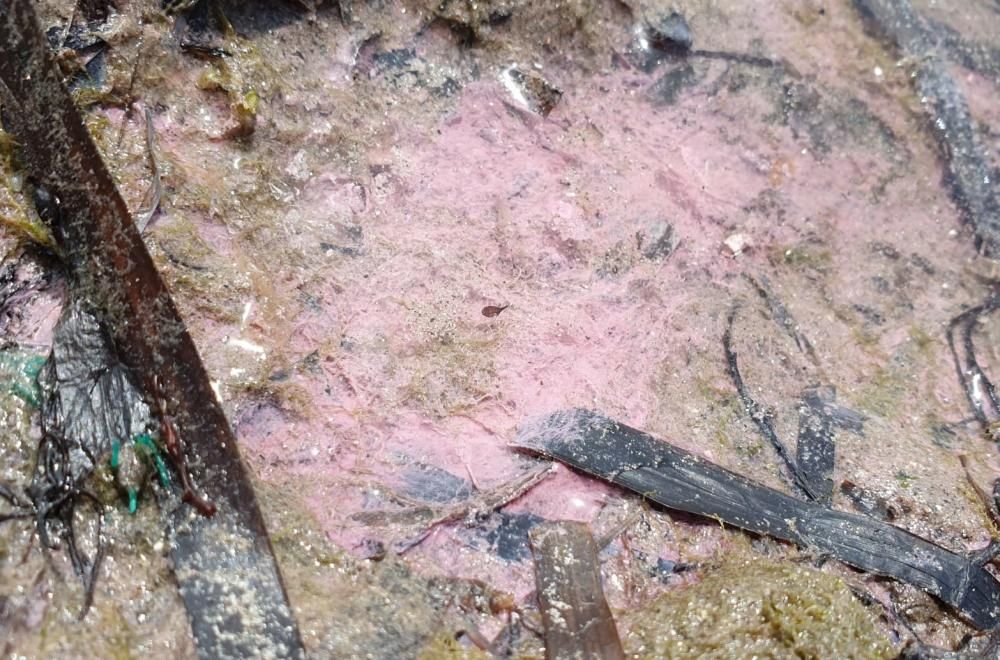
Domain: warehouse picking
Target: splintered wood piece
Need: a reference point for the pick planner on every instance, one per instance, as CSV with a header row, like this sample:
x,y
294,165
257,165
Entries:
x,y
578,622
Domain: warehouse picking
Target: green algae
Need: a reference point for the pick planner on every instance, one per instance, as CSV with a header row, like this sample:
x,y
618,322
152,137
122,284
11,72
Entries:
x,y
802,257
758,608
446,647
16,211
243,76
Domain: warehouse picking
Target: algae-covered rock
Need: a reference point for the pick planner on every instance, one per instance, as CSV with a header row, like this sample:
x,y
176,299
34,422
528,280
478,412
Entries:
x,y
762,609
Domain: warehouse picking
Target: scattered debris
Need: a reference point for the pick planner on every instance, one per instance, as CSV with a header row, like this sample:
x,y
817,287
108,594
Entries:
x,y
668,87
970,177
578,621
658,241
763,417
685,482
811,470
781,315
531,90
239,75
430,515
90,401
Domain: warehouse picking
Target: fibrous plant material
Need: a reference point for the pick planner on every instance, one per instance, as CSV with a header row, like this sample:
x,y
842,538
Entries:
x,y
781,316
682,481
811,469
578,621
225,568
151,202
968,173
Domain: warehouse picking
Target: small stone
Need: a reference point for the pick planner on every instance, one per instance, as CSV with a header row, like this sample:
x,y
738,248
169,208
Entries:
x,y
737,244
531,90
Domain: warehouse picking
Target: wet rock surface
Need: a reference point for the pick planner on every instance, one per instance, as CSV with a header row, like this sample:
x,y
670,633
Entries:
x,y
347,187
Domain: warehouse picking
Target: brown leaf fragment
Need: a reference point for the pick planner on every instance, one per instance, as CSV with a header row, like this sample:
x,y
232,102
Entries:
x,y
578,621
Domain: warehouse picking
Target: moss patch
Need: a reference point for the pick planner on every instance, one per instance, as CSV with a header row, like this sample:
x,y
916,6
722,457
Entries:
x,y
758,608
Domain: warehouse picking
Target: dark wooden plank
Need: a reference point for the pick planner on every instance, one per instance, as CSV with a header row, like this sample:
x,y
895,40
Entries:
x,y
578,622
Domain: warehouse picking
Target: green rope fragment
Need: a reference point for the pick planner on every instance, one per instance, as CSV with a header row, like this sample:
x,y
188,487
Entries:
x,y
131,461
147,447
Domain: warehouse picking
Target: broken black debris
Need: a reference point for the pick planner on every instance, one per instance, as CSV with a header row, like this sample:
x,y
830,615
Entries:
x,y
682,481
815,450
670,33
429,515
667,89
225,567
657,241
577,619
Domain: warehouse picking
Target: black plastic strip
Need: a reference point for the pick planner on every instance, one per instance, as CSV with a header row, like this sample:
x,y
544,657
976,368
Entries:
x,y
682,481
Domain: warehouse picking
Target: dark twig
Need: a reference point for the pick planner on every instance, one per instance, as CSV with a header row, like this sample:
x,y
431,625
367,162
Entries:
x,y
761,416
970,374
